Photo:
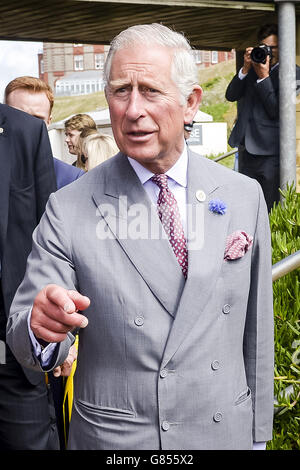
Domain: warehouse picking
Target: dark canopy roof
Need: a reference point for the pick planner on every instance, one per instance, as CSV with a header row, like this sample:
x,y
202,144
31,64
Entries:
x,y
214,24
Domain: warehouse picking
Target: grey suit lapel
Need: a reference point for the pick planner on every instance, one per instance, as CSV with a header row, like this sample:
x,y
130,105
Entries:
x,y
205,258
133,220
5,164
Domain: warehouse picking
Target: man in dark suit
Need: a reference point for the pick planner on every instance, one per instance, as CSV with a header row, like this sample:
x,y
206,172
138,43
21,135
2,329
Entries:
x,y
26,180
34,96
256,132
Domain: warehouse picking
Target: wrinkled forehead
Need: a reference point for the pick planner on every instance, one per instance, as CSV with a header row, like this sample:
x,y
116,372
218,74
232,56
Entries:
x,y
139,64
140,58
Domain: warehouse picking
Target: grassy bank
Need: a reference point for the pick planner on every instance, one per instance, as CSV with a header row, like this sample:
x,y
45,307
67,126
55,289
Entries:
x,y
65,106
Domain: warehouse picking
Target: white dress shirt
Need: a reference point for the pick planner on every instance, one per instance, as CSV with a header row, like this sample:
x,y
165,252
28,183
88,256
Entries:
x,y
177,182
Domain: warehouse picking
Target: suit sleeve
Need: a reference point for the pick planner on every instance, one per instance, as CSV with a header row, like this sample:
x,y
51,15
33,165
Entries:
x,y
45,182
236,88
49,262
268,97
259,329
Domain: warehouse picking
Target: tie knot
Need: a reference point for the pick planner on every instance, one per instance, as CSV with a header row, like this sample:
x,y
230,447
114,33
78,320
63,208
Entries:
x,y
161,180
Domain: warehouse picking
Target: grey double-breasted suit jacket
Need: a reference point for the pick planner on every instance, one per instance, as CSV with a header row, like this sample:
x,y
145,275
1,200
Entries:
x,y
164,363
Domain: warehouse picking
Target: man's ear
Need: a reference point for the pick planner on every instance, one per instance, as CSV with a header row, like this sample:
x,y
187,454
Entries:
x,y
106,93
193,103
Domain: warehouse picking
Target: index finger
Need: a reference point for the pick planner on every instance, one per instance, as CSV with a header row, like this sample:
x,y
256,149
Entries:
x,y
69,300
59,296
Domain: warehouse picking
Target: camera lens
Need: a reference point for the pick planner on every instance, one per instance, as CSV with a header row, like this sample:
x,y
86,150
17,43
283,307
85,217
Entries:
x,y
259,55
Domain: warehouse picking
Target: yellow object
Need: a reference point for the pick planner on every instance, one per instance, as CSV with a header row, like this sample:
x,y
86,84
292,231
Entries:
x,y
68,396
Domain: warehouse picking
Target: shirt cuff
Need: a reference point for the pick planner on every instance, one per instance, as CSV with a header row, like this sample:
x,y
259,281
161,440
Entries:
x,y
260,79
242,75
259,445
43,354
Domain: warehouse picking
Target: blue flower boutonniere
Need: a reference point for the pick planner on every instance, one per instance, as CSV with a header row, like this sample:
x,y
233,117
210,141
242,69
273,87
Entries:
x,y
217,206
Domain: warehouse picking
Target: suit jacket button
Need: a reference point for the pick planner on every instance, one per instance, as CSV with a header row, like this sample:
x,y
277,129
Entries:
x,y
165,426
218,417
215,365
163,373
226,308
1,130
139,321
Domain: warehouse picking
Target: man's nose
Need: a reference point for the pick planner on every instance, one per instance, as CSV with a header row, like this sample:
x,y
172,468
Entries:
x,y
136,106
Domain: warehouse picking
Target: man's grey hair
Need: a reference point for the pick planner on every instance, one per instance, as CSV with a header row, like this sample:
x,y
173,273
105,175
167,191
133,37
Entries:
x,y
184,72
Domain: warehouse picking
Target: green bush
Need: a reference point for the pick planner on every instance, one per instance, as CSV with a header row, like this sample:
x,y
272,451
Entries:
x,y
285,230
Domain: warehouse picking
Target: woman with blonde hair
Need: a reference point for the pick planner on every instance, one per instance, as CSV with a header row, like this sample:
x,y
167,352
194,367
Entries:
x,y
96,148
79,163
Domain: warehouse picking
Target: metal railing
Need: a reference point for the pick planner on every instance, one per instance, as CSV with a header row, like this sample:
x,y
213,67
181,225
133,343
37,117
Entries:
x,y
286,265
221,157
280,269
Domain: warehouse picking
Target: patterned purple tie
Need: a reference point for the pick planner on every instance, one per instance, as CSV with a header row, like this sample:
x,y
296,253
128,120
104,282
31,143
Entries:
x,y
170,218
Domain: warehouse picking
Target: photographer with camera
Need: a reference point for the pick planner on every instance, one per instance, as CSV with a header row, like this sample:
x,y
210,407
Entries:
x,y
256,132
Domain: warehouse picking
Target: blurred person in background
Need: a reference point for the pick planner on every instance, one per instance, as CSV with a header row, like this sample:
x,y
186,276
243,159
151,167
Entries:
x,y
96,148
74,128
35,97
80,162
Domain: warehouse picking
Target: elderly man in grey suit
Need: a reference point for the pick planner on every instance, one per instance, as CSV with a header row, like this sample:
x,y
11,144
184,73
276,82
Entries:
x,y
161,258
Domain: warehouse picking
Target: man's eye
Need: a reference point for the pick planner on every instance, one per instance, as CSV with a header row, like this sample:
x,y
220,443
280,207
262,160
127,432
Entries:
x,y
151,91
121,91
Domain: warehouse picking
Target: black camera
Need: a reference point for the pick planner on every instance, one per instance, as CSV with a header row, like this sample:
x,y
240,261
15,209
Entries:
x,y
259,54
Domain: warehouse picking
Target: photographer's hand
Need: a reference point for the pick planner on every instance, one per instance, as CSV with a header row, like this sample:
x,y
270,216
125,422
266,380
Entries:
x,y
262,70
247,60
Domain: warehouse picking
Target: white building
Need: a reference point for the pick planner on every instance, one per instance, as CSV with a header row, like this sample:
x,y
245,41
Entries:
x,y
80,83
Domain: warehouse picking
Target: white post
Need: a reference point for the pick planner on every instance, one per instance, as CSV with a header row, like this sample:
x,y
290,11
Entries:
x,y
287,91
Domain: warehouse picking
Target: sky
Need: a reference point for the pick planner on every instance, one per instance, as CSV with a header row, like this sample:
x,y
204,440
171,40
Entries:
x,y
17,58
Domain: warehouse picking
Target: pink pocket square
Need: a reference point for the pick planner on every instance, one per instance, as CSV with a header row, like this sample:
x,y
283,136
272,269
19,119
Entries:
x,y
237,244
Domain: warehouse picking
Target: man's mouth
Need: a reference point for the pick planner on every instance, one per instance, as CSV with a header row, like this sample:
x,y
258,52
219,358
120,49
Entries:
x,y
139,133
141,136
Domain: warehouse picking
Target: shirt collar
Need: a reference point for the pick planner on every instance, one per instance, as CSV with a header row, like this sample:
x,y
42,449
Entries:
x,y
178,172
